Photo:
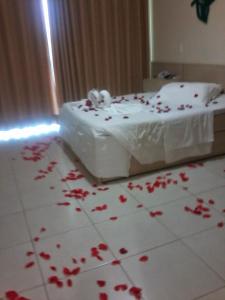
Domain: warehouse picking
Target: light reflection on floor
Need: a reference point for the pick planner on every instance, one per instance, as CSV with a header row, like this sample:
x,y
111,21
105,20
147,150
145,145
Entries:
x,y
27,132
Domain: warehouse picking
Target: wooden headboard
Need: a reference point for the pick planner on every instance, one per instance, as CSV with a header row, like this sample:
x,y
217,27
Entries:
x,y
192,72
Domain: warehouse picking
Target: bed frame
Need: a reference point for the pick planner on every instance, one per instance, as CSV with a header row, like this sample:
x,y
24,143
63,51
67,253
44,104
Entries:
x,y
136,168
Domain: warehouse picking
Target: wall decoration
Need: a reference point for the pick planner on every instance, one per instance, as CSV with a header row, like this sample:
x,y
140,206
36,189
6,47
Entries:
x,y
202,8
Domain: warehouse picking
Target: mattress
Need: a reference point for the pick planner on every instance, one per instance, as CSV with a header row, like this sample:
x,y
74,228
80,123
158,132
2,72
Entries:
x,y
89,135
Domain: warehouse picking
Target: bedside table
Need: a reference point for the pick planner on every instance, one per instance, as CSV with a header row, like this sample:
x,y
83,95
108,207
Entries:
x,y
155,84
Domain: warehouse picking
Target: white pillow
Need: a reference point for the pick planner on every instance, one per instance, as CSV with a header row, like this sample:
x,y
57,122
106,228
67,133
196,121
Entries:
x,y
189,92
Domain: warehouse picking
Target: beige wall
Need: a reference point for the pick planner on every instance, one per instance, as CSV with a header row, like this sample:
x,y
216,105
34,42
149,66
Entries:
x,y
178,36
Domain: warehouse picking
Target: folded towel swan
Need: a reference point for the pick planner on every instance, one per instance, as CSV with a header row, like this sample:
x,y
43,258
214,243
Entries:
x,y
100,99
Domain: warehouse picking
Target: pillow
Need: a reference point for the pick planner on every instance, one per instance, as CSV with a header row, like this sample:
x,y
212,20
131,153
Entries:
x,y
189,92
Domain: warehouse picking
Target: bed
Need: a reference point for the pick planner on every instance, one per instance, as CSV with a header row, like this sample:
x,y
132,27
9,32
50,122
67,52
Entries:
x,y
96,137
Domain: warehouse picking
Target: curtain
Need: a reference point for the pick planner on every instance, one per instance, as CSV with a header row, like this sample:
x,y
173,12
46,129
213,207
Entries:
x,y
25,86
99,44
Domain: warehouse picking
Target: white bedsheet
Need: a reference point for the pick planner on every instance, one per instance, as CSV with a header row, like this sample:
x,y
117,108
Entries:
x,y
105,141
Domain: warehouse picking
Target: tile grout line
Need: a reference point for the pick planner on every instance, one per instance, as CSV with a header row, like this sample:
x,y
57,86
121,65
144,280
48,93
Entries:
x,y
210,293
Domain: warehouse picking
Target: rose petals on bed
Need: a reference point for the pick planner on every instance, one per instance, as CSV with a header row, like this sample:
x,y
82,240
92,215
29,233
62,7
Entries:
x,y
108,118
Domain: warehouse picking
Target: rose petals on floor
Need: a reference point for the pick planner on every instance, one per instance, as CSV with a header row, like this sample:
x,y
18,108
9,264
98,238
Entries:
x,y
101,283
143,258
13,295
123,251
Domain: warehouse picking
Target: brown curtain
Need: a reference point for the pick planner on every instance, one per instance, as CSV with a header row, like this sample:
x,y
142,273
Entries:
x,y
99,44
25,89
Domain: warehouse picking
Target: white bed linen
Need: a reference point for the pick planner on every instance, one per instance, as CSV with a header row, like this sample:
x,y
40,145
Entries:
x,y
91,136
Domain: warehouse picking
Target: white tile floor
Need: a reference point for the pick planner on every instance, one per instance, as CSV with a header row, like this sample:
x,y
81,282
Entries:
x,y
176,255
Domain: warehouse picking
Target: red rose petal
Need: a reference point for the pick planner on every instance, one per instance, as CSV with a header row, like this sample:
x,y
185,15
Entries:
x,y
45,256
74,260
143,258
120,287
103,247
199,200
53,268
220,224
152,214
123,251
29,253
11,295
103,296
59,284
75,271
113,218
83,260
211,202
69,282
66,271
136,292
139,205
63,203
122,198
29,264
115,262
43,229
36,239
206,216
101,283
